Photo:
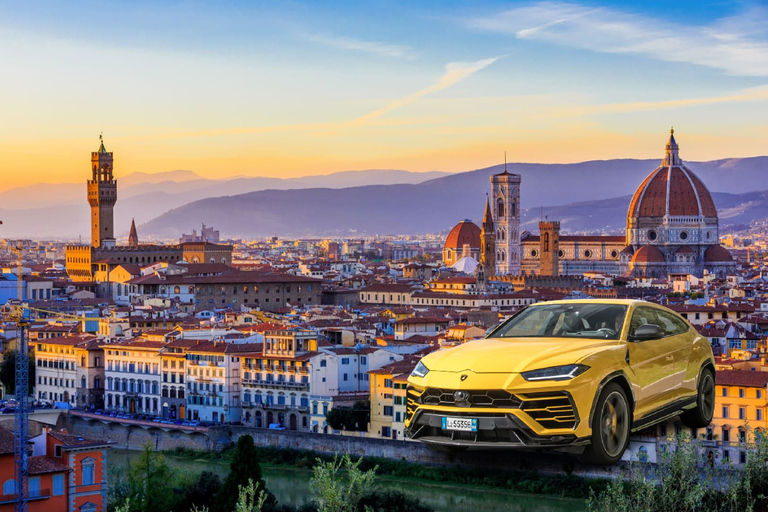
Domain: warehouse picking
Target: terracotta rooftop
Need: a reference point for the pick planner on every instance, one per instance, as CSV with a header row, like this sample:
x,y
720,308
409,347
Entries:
x,y
741,378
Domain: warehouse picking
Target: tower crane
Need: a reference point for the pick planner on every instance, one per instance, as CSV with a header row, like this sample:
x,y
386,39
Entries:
x,y
20,313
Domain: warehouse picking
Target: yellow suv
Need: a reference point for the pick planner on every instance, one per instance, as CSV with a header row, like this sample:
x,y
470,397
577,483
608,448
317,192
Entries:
x,y
564,374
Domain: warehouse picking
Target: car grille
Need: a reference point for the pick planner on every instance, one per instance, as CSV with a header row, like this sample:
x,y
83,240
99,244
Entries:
x,y
550,410
477,398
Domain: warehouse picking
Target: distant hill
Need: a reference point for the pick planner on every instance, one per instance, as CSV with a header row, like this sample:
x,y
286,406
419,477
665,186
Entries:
x,y
403,209
588,196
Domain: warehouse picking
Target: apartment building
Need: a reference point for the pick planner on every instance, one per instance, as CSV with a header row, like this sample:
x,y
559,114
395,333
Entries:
x,y
132,375
741,398
340,377
213,380
58,376
276,380
388,398
66,473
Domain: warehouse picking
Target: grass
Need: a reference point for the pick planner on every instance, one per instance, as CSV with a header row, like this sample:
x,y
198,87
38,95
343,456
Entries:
x,y
528,482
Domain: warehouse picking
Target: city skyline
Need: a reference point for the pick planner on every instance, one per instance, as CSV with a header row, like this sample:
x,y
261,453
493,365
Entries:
x,y
302,89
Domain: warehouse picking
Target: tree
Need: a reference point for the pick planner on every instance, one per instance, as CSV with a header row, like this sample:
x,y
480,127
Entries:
x,y
350,418
243,468
8,371
200,492
332,493
150,483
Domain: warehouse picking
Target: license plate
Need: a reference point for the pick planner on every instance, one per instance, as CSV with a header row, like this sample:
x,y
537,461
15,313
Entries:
x,y
466,424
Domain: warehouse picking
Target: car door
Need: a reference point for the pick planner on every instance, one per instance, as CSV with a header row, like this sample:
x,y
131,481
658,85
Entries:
x,y
681,345
652,364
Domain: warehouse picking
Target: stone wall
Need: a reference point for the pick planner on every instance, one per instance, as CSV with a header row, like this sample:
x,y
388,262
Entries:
x,y
135,437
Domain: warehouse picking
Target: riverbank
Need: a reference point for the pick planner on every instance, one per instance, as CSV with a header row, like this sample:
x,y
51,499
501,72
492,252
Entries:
x,y
290,484
565,485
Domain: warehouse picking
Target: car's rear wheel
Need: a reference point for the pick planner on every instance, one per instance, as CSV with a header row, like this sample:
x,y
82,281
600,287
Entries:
x,y
701,415
610,427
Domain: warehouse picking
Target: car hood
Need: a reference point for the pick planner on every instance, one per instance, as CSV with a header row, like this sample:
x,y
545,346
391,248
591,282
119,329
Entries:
x,y
513,355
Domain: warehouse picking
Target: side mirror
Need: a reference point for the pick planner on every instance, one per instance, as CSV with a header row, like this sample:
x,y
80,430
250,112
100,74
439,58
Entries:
x,y
647,332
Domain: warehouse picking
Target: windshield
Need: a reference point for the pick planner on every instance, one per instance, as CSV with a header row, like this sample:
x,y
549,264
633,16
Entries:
x,y
577,320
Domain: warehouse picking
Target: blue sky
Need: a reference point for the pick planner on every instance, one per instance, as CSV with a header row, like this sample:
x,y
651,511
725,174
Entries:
x,y
296,88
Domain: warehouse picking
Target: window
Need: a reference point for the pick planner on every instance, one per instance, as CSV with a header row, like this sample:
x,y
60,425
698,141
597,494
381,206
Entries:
x,y
57,450
344,360
759,393
9,487
741,392
58,485
34,486
758,414
725,391
88,468
726,456
387,410
322,363
742,413
725,411
742,435
742,458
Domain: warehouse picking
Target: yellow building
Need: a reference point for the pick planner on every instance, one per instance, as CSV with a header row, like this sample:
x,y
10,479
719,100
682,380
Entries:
x,y
740,407
388,385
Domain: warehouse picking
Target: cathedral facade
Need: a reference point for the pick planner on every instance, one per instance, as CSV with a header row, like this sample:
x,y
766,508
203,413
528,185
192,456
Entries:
x,y
672,228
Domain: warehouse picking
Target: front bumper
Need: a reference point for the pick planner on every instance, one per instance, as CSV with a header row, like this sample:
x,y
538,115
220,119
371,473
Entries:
x,y
523,414
494,430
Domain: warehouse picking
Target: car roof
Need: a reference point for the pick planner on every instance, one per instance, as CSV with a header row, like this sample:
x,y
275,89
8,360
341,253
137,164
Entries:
x,y
616,302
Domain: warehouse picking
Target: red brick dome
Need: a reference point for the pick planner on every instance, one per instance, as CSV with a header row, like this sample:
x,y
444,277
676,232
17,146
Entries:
x,y
465,232
648,254
672,190
717,254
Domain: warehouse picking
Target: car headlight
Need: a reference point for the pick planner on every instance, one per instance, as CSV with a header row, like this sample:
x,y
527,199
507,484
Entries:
x,y
566,372
420,370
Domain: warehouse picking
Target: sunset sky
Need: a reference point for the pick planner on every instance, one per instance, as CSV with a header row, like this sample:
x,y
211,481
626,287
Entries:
x,y
298,88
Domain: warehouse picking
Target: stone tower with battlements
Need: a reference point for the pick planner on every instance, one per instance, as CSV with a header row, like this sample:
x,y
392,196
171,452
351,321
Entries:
x,y
102,196
549,248
505,204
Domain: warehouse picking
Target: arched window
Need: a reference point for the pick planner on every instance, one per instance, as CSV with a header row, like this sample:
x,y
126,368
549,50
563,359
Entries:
x,y
9,487
177,289
500,209
513,209
546,242
83,382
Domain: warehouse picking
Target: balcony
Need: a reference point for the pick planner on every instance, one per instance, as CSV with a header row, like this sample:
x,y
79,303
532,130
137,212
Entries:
x,y
40,494
273,384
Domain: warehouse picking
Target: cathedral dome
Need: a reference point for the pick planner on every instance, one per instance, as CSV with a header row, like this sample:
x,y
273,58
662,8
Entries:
x,y
672,190
464,233
717,254
648,254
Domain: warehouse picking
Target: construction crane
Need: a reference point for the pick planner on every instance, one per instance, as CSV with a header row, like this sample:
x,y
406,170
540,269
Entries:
x,y
21,314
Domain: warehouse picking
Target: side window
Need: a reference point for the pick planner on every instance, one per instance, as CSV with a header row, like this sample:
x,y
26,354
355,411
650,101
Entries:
x,y
671,324
642,316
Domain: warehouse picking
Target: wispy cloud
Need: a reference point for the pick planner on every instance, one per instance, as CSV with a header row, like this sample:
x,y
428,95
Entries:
x,y
372,47
737,45
746,95
455,72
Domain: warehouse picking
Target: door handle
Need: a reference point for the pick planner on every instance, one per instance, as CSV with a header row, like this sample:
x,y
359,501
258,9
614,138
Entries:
x,y
669,358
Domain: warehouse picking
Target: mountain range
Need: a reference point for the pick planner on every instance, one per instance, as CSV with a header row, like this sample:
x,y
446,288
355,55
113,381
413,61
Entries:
x,y
587,197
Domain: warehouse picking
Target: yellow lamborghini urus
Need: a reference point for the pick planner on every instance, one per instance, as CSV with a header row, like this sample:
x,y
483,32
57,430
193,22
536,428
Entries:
x,y
564,374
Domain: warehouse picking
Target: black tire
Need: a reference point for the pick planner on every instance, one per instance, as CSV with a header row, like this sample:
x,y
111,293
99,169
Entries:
x,y
701,415
611,425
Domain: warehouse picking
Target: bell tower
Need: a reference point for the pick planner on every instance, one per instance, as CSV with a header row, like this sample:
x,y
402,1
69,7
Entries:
x,y
102,195
506,208
488,244
549,248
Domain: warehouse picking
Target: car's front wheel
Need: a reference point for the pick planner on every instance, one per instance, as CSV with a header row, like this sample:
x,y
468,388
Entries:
x,y
610,427
701,415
